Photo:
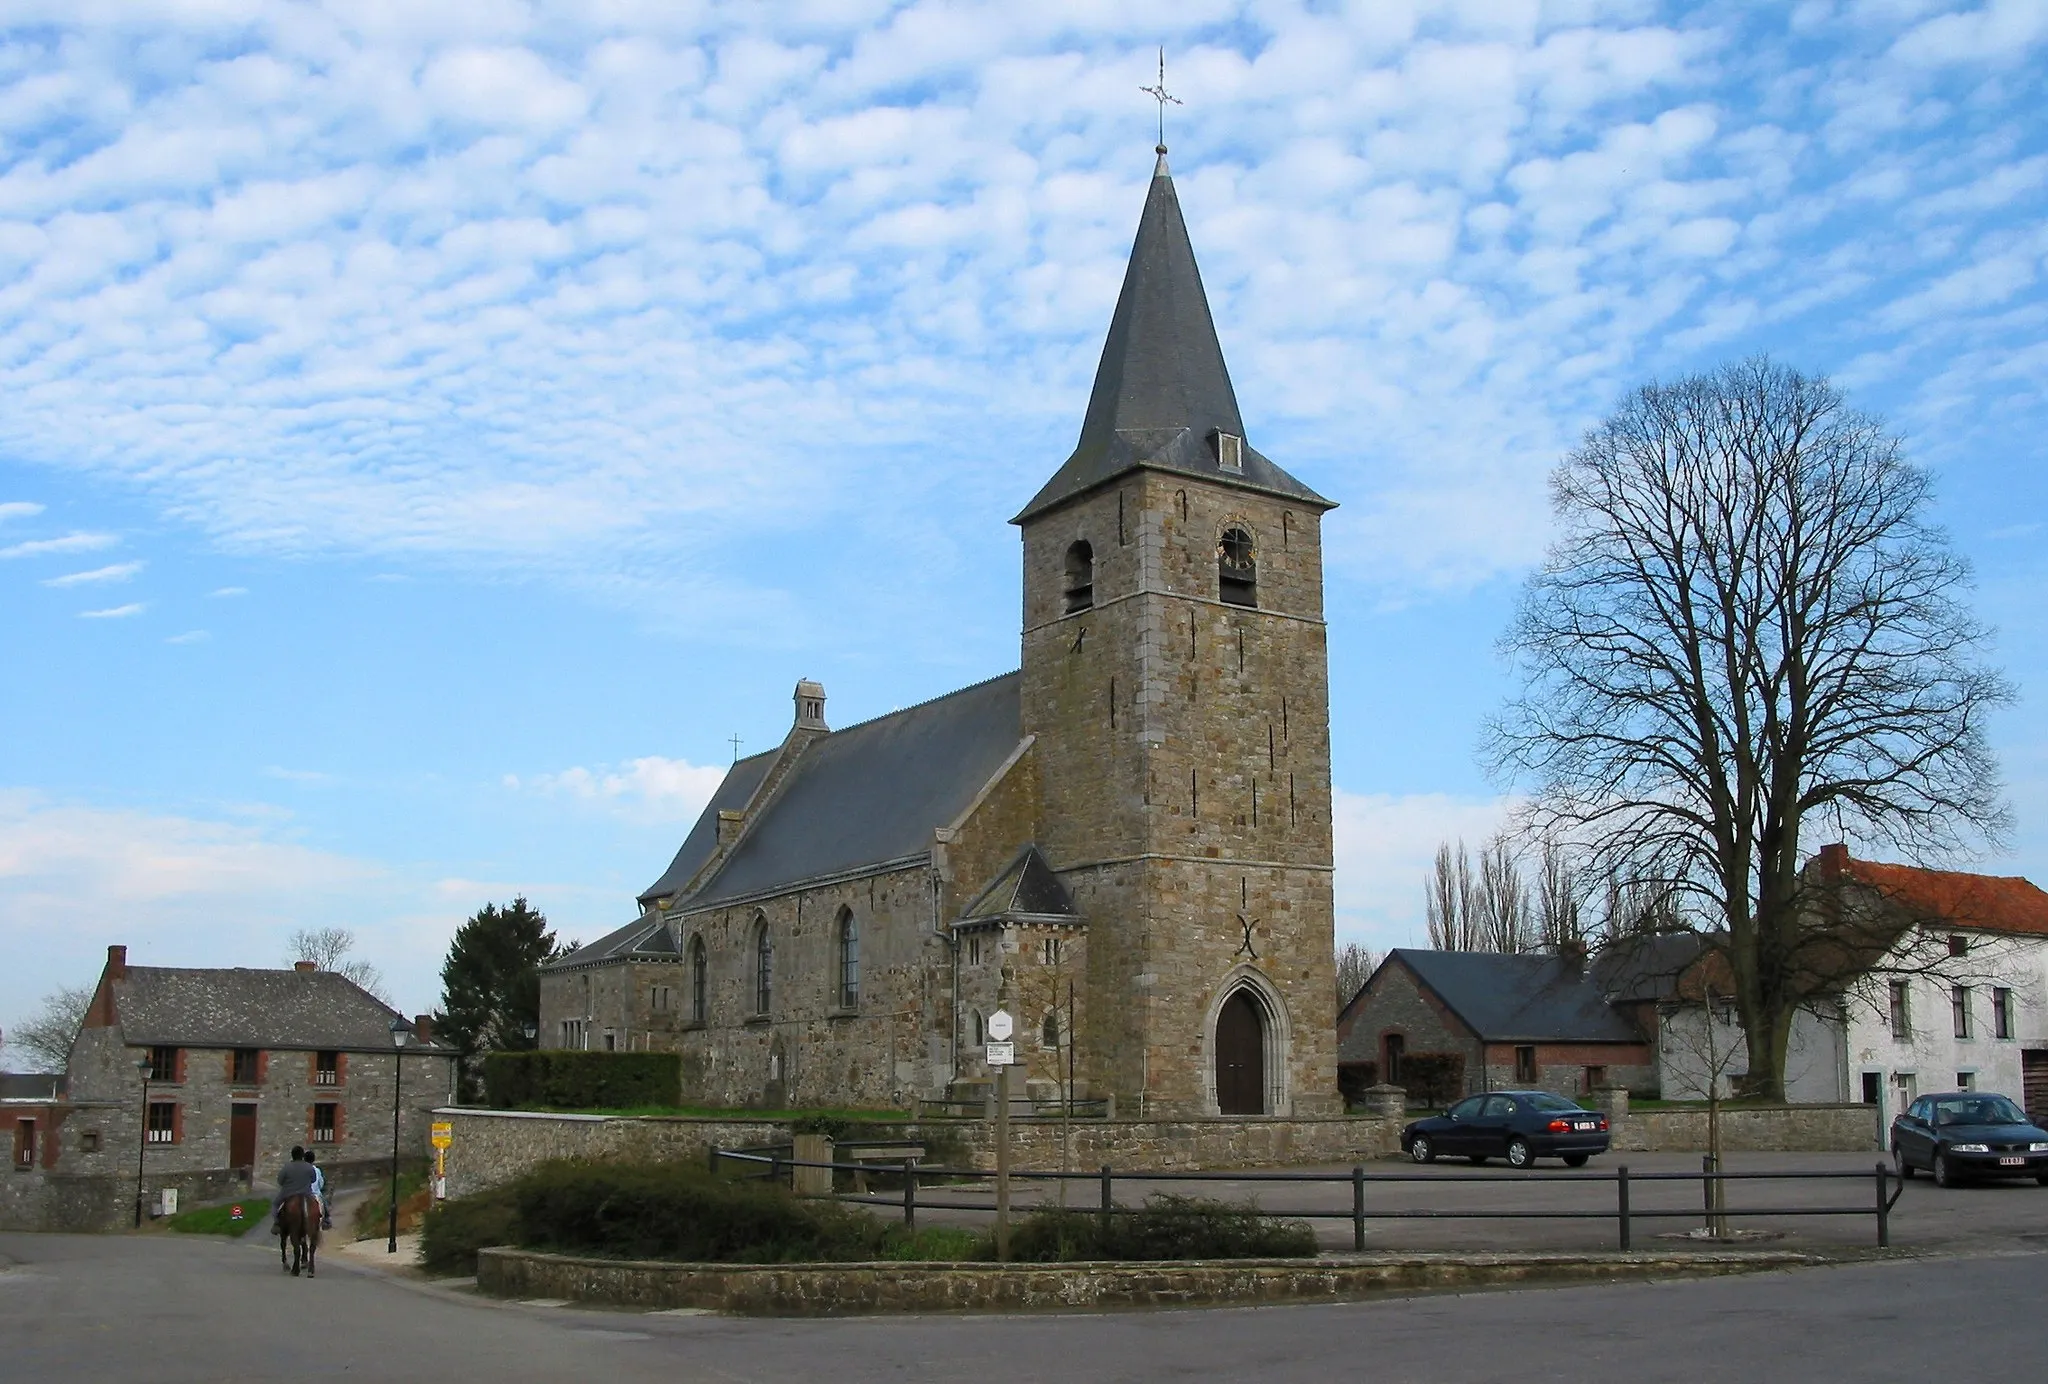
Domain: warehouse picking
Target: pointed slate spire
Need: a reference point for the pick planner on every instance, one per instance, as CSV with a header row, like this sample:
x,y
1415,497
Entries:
x,y
1162,392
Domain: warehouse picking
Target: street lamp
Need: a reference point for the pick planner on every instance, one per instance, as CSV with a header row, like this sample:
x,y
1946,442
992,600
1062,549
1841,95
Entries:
x,y
529,1028
399,1030
145,1067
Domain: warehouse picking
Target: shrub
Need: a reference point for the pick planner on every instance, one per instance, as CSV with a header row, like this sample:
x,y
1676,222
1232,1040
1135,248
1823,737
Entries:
x,y
1433,1078
455,1230
570,1079
1166,1227
1353,1078
680,1211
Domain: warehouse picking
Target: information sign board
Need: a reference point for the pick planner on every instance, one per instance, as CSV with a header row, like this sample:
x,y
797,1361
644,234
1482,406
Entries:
x,y
1002,1054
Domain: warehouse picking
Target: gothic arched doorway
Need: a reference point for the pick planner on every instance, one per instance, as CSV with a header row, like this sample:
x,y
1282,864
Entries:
x,y
1240,1057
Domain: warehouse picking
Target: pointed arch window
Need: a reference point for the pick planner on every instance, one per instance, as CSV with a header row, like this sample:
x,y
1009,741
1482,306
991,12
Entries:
x,y
849,960
1080,584
699,981
1237,567
980,1029
764,966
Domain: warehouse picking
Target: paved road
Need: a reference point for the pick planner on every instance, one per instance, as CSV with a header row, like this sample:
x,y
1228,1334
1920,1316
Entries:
x,y
2011,1215
167,1310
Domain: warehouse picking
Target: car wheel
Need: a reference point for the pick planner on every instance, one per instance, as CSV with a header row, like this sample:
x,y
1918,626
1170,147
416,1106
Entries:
x,y
1944,1176
1899,1162
1519,1153
1421,1150
1575,1160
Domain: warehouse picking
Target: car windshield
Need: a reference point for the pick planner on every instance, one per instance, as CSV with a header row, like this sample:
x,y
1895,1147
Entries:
x,y
1977,1110
1546,1101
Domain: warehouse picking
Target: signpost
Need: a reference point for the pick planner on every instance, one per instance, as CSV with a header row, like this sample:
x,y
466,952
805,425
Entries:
x,y
1002,1055
441,1134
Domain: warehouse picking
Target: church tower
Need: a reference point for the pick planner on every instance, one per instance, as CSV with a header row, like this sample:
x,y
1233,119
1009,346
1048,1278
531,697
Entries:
x,y
1176,681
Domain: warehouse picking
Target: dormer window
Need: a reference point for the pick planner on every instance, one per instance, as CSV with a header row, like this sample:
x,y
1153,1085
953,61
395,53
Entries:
x,y
1237,571
1230,452
1080,585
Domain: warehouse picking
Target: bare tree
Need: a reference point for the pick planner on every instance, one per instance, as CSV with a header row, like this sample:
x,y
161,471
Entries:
x,y
328,948
1451,901
1483,909
1355,964
46,1035
1746,624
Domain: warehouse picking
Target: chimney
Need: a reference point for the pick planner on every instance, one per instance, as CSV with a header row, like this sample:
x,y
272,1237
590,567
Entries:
x,y
304,966
117,963
810,705
1834,860
1572,951
423,1027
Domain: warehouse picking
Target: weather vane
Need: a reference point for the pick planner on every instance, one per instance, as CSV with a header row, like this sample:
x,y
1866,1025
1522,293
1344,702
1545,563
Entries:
x,y
1162,96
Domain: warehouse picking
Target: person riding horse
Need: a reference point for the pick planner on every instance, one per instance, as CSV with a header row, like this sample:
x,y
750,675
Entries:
x,y
298,1178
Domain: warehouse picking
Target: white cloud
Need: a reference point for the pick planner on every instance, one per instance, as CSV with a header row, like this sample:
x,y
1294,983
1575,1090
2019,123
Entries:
x,y
1385,845
230,591
119,571
119,612
647,789
189,637
69,543
19,509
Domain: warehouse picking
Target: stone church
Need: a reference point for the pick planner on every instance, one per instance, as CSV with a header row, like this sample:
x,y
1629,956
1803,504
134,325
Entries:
x,y
1126,843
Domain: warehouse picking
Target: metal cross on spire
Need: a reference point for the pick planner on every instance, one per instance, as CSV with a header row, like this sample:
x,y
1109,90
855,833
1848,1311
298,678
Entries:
x,y
1162,96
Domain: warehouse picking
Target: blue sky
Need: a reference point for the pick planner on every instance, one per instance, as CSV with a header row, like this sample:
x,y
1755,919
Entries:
x,y
430,432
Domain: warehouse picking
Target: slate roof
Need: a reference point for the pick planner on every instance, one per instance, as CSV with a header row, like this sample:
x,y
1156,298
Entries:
x,y
1161,390
733,792
241,1008
1634,969
1027,887
1527,998
42,1086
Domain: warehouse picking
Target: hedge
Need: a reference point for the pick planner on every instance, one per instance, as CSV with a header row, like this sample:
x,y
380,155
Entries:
x,y
1165,1227
1433,1078
560,1078
1353,1078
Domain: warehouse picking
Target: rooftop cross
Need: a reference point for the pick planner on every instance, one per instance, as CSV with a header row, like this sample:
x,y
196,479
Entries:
x,y
1162,96
735,747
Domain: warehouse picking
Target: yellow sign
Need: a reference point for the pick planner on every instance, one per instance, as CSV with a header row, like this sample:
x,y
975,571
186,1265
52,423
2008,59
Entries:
x,y
442,1134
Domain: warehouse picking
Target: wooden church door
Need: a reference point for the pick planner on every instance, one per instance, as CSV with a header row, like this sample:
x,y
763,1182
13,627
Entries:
x,y
1240,1057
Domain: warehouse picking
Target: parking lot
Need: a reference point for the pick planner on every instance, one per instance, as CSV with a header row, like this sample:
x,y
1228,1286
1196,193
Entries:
x,y
2011,1215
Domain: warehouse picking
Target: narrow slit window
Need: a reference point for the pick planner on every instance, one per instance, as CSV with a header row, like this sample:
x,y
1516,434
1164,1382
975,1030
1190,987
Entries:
x,y
1080,576
1237,568
764,967
698,979
849,960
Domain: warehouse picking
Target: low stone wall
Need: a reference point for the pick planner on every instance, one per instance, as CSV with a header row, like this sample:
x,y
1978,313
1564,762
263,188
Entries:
x,y
98,1201
825,1289
1767,1129
492,1146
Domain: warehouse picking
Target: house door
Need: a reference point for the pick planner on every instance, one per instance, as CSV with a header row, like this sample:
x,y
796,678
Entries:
x,y
1240,1057
242,1136
2034,1083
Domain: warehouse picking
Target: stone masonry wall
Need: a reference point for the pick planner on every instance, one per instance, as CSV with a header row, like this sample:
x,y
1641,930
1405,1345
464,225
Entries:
x,y
1395,1002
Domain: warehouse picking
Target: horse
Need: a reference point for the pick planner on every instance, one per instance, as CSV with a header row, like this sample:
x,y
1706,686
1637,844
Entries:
x,y
299,1220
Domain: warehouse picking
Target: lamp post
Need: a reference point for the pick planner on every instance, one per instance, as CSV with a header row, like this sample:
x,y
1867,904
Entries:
x,y
529,1028
145,1067
399,1030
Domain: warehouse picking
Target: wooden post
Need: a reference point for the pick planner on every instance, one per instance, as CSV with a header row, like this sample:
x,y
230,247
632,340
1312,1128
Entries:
x,y
1108,1205
1621,1185
910,1195
1358,1208
1003,1164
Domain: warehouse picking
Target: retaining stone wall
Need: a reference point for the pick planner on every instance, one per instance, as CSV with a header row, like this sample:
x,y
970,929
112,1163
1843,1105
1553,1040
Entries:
x,y
821,1289
1771,1129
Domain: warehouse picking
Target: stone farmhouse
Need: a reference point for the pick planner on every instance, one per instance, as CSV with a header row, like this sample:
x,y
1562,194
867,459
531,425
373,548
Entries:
x,y
1126,841
239,1065
1516,1021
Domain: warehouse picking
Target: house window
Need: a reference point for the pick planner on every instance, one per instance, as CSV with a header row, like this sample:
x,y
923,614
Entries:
x,y
245,1067
89,1141
1395,1046
1049,951
662,999
1237,568
25,1144
980,1029
1873,1088
1902,1014
1966,1081
764,967
974,951
1958,945
1525,1065
163,1123
163,1064
326,1122
2001,1013
1230,452
1596,1077
611,1041
698,979
1959,1009
849,960
1049,1031
575,1033
1080,587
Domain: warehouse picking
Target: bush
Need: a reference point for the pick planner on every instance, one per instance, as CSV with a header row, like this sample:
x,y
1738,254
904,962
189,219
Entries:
x,y
455,1230
1166,1227
560,1078
1353,1078
680,1211
1433,1078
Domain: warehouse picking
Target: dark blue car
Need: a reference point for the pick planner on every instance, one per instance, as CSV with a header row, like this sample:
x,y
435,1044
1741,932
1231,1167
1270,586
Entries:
x,y
1520,1126
1969,1135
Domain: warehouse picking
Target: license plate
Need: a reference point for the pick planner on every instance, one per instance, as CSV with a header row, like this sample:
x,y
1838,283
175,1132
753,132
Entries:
x,y
2012,1162
1582,1124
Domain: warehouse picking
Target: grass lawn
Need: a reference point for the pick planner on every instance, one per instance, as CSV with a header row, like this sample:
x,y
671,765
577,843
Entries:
x,y
220,1220
712,1112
